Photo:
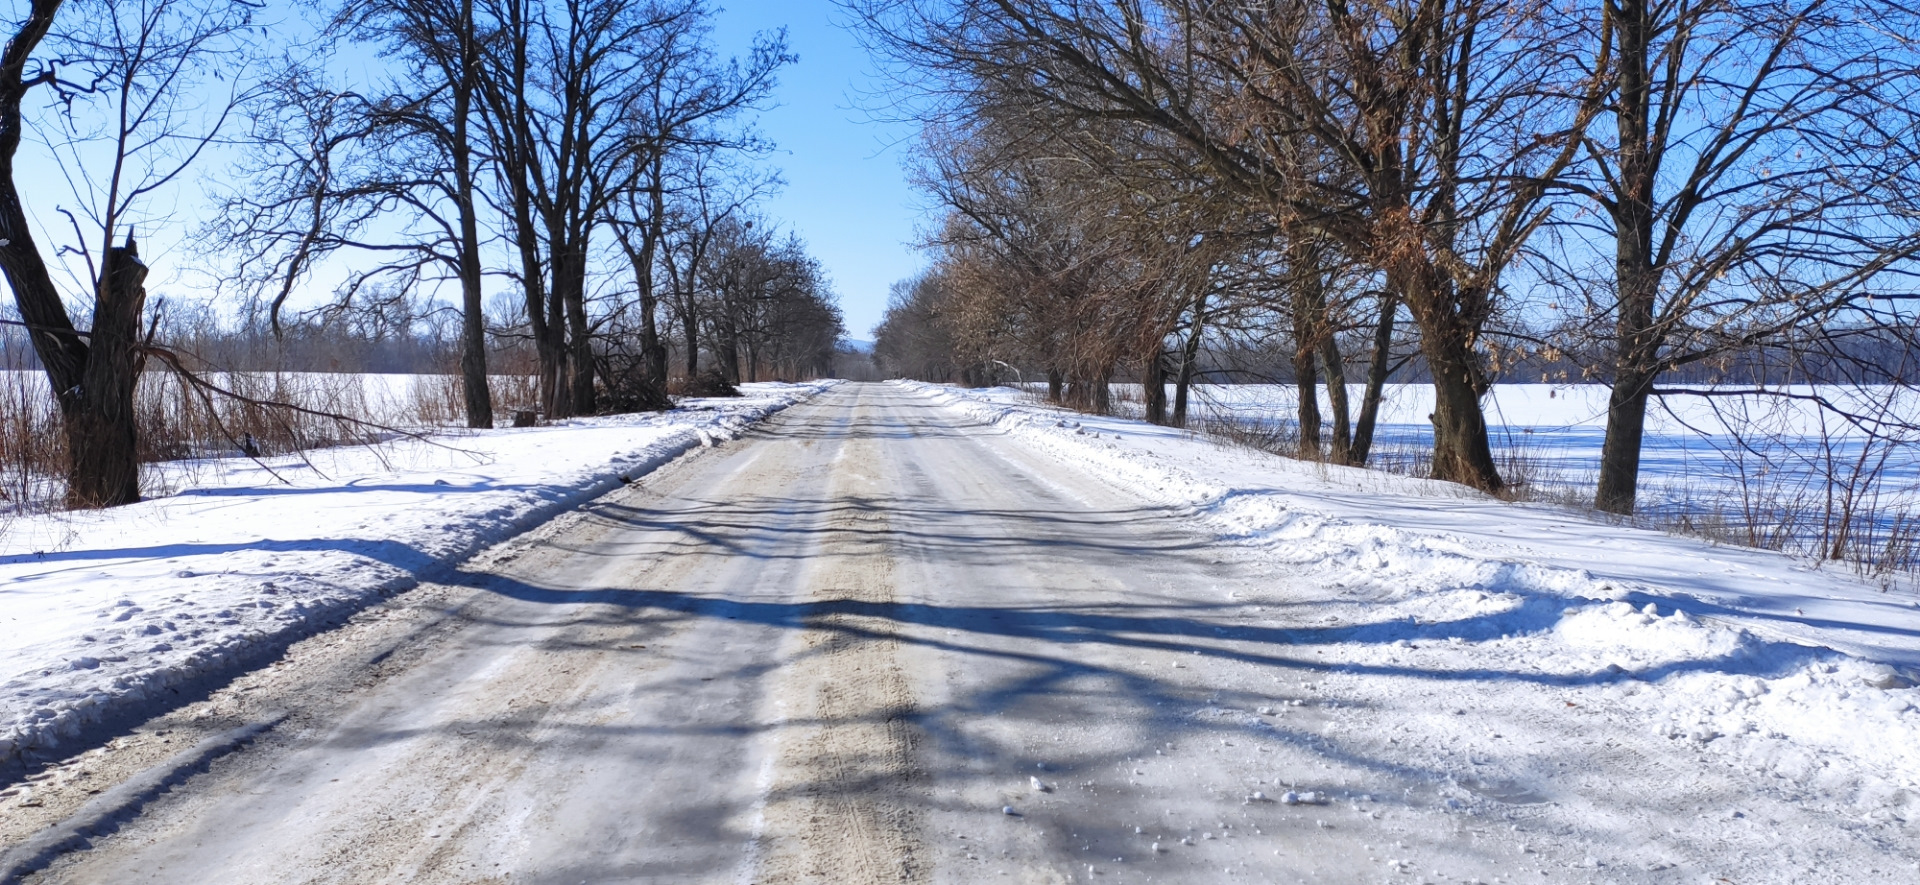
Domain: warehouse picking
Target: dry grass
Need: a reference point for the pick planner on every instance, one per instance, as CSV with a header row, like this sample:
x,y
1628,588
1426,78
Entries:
x,y
1267,432
440,400
33,449
179,424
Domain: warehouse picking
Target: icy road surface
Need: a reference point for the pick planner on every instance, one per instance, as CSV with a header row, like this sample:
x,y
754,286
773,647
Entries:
x,y
879,641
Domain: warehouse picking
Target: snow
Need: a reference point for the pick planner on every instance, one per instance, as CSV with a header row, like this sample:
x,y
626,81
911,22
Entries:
x,y
1796,674
100,611
1696,448
1497,639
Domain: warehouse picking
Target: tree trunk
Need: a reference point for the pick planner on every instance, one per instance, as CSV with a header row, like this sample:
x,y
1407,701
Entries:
x,y
690,327
690,305
727,348
1154,380
1377,369
93,382
683,296
62,352
1306,384
505,101
1079,393
543,316
1339,447
569,285
1620,452
1055,384
652,349
102,440
1103,392
1637,281
473,331
1309,312
1189,355
1461,452
558,396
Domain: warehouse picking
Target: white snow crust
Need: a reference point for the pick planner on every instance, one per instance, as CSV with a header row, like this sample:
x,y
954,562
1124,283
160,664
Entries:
x,y
100,611
1801,676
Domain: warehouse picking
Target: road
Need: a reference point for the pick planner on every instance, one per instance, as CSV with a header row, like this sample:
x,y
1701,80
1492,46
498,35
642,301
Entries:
x,y
868,642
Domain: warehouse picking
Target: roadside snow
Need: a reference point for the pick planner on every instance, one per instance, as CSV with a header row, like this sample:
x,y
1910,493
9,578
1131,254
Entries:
x,y
1803,676
101,611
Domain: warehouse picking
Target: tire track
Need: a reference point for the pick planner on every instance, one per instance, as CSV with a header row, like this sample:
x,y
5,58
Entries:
x,y
844,803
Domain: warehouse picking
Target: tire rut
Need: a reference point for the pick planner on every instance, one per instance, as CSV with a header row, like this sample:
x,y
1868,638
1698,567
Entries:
x,y
844,804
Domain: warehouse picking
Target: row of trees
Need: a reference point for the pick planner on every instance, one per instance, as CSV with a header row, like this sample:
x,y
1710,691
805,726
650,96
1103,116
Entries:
x,y
1655,186
593,158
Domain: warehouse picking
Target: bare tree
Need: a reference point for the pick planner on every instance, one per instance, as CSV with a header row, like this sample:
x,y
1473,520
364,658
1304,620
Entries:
x,y
126,80
586,100
440,42
1447,119
390,177
1757,181
686,115
709,192
771,308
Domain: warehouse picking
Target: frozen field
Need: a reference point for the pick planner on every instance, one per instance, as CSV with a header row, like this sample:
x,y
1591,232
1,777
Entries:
x,y
393,399
1715,453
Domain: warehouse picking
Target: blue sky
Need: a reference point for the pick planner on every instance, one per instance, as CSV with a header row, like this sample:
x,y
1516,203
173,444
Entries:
x,y
846,192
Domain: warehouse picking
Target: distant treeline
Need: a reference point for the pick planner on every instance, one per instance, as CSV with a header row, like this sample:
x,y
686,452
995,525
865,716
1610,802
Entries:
x,y
313,346
1865,355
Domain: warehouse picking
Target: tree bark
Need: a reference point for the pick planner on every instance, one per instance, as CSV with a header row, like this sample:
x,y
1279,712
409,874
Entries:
x,y
102,436
1619,482
507,109
1189,355
1306,383
570,283
1154,381
1637,343
728,346
690,327
1339,447
1378,368
473,331
652,349
1461,452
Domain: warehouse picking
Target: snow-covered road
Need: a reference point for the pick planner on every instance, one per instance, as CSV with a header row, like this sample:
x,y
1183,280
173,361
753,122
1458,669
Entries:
x,y
880,639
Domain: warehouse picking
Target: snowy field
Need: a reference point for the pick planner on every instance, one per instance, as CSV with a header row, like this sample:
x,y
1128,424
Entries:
x,y
100,611
1693,445
1690,442
1800,678
381,398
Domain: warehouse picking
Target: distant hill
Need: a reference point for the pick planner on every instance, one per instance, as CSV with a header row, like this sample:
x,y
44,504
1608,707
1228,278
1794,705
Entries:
x,y
856,345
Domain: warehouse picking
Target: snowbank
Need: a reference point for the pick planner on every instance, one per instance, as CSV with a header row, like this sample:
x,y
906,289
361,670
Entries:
x,y
100,612
1801,673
